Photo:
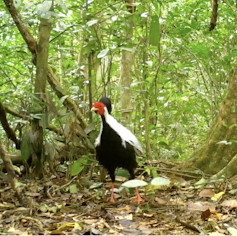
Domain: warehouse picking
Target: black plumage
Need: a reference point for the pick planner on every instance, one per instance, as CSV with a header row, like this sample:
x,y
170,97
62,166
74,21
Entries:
x,y
115,145
112,154
107,103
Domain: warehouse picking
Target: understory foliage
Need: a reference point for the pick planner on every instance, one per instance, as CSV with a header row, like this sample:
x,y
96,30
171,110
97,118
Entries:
x,y
181,69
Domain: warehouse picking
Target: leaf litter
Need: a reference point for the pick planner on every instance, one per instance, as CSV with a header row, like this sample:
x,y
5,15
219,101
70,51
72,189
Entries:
x,y
81,206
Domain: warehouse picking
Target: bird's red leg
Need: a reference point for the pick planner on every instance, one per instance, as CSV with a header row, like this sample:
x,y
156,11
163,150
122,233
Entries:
x,y
139,199
112,192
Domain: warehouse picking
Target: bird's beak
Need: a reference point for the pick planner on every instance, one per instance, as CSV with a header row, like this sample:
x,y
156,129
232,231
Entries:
x,y
94,109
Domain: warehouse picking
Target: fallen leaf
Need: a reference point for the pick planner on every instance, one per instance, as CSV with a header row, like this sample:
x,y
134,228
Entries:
x,y
148,215
206,193
150,222
200,183
160,181
160,201
126,208
126,223
233,231
78,226
65,209
90,221
217,196
206,214
233,191
120,179
215,233
127,217
197,206
176,179
95,231
229,203
32,194
217,215
119,227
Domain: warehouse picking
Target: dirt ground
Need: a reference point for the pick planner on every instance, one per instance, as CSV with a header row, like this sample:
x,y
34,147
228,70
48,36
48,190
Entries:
x,y
189,205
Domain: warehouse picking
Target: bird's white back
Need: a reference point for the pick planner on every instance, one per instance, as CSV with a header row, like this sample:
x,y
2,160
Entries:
x,y
125,134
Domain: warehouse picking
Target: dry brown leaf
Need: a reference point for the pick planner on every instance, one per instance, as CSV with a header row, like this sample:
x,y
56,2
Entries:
x,y
215,233
197,206
217,215
65,209
126,208
160,201
151,222
206,214
119,227
124,217
206,193
90,221
177,201
175,179
120,179
148,215
32,194
229,203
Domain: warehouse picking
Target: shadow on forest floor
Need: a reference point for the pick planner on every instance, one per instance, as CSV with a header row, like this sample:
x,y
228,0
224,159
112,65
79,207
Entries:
x,y
180,208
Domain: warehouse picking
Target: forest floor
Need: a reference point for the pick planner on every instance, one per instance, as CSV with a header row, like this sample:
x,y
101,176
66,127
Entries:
x,y
185,207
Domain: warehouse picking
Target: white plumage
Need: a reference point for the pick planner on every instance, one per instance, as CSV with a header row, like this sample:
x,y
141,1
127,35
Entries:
x,y
125,134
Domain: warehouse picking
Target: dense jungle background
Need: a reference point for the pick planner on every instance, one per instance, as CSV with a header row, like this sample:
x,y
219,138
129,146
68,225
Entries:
x,y
169,68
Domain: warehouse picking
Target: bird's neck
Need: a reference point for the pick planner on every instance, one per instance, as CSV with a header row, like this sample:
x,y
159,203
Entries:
x,y
105,117
103,120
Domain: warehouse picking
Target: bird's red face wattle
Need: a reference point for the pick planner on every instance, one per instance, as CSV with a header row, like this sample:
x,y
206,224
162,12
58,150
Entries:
x,y
98,107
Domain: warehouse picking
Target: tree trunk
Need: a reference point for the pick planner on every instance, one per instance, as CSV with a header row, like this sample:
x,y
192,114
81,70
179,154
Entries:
x,y
39,102
127,61
220,146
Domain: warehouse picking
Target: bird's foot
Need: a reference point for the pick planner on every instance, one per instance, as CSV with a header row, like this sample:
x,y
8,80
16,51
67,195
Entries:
x,y
139,199
112,199
112,193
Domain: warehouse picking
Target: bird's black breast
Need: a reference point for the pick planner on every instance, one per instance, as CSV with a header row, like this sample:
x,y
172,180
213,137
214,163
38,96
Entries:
x,y
111,153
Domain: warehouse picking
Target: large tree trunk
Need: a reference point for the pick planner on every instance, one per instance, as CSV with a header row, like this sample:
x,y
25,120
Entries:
x,y
214,156
39,103
127,61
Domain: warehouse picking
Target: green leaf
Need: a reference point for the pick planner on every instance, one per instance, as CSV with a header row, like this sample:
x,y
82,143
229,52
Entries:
x,y
122,172
155,31
163,140
73,188
78,166
185,120
134,183
63,98
202,182
92,22
103,53
43,208
154,172
160,181
193,24
17,3
19,184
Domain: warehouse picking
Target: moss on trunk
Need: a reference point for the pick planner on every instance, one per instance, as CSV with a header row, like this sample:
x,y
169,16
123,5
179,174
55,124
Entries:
x,y
212,156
